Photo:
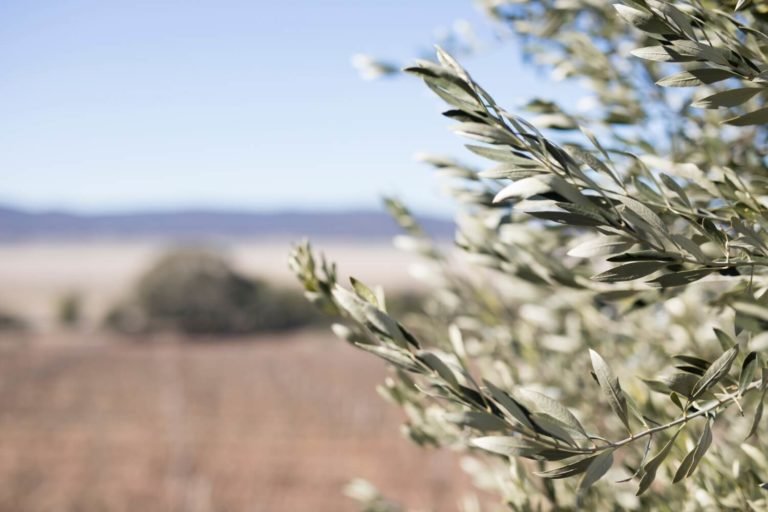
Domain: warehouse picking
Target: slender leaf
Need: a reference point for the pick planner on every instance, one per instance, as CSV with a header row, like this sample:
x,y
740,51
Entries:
x,y
725,339
478,420
553,408
611,387
364,292
524,188
399,358
716,371
552,427
656,53
650,469
568,470
729,98
515,410
505,445
759,410
676,188
759,116
484,133
694,77
629,271
653,256
643,20
681,278
748,367
596,470
757,417
569,219
692,459
500,154
600,245
437,365
646,214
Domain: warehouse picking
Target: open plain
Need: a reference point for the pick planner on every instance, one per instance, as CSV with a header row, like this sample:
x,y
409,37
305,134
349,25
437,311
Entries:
x,y
90,421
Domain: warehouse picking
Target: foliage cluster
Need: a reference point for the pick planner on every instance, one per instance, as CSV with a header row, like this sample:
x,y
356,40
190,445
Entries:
x,y
615,327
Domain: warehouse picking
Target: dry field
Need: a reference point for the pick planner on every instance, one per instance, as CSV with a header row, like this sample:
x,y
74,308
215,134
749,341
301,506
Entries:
x,y
92,423
267,425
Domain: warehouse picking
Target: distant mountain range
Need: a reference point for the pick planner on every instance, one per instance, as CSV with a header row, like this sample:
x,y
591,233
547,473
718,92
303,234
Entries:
x,y
16,224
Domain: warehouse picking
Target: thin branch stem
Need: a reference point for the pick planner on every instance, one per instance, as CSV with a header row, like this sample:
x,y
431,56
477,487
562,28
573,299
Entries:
x,y
685,418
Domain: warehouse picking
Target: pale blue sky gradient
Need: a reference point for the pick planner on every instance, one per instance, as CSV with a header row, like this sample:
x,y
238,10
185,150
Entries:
x,y
164,104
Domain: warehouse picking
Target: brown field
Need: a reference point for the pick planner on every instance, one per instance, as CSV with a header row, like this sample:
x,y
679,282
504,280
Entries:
x,y
276,424
89,422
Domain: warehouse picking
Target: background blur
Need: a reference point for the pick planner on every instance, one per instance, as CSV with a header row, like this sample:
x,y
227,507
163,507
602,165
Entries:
x,y
157,160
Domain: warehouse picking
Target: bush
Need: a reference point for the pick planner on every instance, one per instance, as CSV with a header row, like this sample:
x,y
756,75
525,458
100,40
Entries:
x,y
12,322
197,292
618,325
69,310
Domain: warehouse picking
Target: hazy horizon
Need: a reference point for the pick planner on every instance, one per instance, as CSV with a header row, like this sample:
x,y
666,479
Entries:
x,y
163,209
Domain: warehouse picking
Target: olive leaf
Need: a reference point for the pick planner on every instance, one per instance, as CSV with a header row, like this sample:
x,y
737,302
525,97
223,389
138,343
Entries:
x,y
716,371
505,445
694,77
652,466
611,387
478,420
515,410
553,408
596,470
758,415
572,469
729,98
629,271
692,459
748,367
433,361
364,292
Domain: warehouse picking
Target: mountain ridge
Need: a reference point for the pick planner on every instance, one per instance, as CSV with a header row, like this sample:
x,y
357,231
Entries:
x,y
17,224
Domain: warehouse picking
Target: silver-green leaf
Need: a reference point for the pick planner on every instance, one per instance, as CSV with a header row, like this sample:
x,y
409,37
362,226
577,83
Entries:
x,y
716,371
611,387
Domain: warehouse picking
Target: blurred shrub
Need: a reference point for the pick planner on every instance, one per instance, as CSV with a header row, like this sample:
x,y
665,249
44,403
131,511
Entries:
x,y
12,322
197,292
69,310
404,303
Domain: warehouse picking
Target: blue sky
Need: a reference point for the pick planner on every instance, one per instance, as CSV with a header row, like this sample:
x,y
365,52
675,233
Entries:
x,y
164,104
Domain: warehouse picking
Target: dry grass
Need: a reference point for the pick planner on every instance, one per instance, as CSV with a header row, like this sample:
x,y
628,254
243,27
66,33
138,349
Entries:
x,y
275,425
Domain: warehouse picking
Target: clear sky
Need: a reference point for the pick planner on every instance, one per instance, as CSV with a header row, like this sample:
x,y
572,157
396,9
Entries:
x,y
126,105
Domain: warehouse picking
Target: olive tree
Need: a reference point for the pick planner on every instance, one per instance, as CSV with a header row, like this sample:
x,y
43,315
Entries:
x,y
613,321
